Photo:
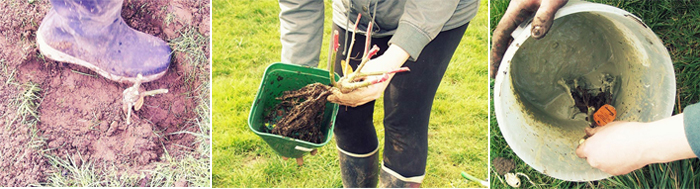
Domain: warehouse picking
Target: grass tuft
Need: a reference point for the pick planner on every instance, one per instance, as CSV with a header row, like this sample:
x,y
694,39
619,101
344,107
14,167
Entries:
x,y
28,103
187,171
192,43
71,174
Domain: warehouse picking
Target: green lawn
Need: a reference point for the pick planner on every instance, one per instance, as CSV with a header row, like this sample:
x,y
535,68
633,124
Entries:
x,y
246,41
676,23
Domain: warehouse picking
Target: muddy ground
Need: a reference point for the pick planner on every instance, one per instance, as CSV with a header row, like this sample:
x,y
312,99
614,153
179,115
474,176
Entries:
x,y
79,113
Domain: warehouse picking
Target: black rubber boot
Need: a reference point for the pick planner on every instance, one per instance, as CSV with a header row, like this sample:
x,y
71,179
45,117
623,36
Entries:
x,y
92,33
391,179
359,170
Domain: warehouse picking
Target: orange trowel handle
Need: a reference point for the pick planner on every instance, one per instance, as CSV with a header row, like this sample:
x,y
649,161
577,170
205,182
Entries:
x,y
605,115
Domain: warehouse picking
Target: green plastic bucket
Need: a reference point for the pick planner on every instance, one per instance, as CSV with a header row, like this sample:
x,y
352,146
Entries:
x,y
280,77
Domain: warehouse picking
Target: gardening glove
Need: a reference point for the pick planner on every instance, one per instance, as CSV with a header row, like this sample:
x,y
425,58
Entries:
x,y
393,58
518,11
300,161
622,147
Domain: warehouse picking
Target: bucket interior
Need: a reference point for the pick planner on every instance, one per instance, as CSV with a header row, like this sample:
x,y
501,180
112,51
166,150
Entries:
x,y
274,85
538,116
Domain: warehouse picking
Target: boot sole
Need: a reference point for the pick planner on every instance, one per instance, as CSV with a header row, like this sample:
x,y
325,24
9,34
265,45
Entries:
x,y
57,55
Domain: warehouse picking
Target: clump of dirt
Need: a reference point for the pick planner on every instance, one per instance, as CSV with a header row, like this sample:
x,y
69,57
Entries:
x,y
302,112
80,114
585,98
502,165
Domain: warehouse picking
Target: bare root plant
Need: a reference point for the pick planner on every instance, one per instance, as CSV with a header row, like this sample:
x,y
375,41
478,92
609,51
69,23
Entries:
x,y
133,98
303,120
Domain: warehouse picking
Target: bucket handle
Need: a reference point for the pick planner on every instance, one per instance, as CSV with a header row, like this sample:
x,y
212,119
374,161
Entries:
x,y
303,148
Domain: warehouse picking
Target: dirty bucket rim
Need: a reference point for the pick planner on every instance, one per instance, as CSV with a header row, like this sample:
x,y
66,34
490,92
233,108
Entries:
x,y
520,35
300,143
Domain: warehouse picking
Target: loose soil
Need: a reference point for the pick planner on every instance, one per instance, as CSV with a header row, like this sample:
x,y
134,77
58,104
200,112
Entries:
x,y
301,111
80,114
502,165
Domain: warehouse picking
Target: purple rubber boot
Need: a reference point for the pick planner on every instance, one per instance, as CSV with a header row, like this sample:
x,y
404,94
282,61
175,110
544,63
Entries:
x,y
92,33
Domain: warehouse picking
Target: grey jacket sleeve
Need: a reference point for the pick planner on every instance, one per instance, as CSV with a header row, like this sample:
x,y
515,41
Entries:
x,y
691,122
301,28
421,21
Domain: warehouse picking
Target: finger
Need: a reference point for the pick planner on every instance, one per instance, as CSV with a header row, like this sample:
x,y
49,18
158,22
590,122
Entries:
x,y
334,97
515,14
314,152
300,161
350,99
544,17
580,152
592,131
338,100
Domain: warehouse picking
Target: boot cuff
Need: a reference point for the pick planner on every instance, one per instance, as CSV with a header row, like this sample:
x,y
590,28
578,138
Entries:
x,y
358,155
415,179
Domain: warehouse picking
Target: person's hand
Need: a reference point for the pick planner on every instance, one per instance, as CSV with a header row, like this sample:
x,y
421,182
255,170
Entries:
x,y
617,148
622,147
518,11
393,58
300,161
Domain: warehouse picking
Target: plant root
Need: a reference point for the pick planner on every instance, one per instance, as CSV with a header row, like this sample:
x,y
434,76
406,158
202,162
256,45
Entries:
x,y
303,120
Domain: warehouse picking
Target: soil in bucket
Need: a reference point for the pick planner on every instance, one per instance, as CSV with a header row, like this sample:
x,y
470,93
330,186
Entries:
x,y
300,113
588,98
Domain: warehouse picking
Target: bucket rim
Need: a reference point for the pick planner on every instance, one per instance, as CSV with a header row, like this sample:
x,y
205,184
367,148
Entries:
x,y
523,33
258,95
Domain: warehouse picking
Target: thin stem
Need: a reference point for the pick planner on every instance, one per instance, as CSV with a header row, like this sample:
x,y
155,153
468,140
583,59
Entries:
x,y
331,57
368,38
352,42
128,117
357,85
366,58
397,70
370,74
154,92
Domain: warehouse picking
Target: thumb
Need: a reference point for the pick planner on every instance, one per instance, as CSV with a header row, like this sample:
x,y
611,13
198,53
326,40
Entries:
x,y
544,17
580,152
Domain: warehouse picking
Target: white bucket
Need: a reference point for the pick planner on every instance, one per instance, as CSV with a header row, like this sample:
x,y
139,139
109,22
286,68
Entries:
x,y
646,88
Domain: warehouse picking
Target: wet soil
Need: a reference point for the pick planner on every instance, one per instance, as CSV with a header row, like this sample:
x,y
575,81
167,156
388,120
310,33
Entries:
x,y
301,113
79,113
585,98
589,99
